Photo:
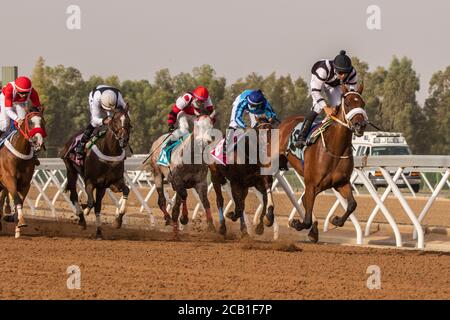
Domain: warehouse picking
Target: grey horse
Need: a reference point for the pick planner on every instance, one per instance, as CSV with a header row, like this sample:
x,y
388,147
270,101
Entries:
x,y
183,174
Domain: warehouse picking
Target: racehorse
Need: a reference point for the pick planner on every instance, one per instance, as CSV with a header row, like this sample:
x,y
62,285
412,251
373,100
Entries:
x,y
329,162
17,161
183,175
243,176
103,168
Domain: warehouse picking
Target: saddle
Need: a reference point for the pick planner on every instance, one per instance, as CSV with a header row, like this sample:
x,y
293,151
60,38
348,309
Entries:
x,y
316,130
96,135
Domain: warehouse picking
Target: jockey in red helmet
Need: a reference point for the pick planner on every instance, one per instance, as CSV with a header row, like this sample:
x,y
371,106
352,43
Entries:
x,y
186,108
14,98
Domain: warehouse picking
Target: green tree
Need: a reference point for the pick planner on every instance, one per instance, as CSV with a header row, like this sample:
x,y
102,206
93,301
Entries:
x,y
437,109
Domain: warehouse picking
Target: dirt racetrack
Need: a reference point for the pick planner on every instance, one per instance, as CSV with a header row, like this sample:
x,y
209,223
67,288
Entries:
x,y
145,264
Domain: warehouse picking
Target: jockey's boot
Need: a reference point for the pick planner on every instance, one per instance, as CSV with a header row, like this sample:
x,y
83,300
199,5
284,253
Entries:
x,y
79,149
301,142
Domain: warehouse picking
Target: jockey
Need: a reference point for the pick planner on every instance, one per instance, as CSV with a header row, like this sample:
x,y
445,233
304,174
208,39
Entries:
x,y
253,103
103,100
188,106
13,101
328,76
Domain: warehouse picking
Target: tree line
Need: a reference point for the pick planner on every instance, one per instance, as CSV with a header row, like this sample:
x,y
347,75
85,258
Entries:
x,y
390,95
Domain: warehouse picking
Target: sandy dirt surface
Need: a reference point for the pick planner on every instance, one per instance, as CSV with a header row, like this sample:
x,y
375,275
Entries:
x,y
144,264
147,264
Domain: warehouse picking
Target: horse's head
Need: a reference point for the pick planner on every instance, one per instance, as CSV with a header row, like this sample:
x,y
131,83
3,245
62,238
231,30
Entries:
x,y
352,110
33,128
202,128
120,125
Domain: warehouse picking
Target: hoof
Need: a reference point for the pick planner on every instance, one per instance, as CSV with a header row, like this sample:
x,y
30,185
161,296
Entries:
x,y
296,224
259,230
99,235
8,210
223,229
168,220
184,220
268,221
233,216
22,223
118,222
269,218
337,222
10,218
17,233
244,233
211,227
313,234
82,222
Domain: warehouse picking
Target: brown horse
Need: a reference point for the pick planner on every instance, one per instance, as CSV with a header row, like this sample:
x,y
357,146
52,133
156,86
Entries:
x,y
183,173
103,168
329,162
243,176
17,162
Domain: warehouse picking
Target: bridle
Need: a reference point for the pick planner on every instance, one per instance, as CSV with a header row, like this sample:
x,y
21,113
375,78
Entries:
x,y
122,127
347,118
353,112
28,133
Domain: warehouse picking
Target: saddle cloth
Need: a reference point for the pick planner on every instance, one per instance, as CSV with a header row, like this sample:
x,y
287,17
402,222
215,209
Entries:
x,y
71,154
316,129
167,149
218,153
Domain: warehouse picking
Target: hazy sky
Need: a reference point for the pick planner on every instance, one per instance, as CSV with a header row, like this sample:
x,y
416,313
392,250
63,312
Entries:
x,y
135,38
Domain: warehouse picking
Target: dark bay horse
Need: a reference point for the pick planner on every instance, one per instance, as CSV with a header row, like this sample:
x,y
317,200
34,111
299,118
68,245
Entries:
x,y
103,167
183,172
243,176
17,162
329,162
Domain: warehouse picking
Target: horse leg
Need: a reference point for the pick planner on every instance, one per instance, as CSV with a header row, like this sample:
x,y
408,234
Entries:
x,y
72,177
176,214
269,217
158,180
346,192
262,190
219,203
98,208
308,203
121,211
239,195
185,214
10,184
202,191
89,188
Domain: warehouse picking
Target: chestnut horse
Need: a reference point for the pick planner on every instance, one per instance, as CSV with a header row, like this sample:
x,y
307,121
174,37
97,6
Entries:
x,y
103,168
329,162
241,178
17,162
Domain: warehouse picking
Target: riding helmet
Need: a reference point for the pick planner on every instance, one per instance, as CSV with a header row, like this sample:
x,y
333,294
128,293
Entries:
x,y
255,99
342,62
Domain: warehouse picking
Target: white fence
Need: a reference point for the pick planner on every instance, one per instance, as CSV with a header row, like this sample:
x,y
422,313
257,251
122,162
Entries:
x,y
52,173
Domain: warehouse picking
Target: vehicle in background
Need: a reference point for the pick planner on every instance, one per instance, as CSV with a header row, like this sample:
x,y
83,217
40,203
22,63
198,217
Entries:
x,y
375,144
